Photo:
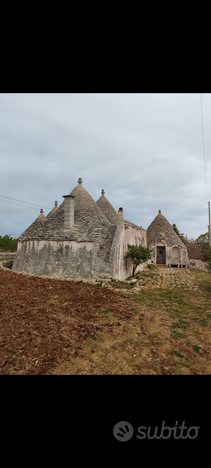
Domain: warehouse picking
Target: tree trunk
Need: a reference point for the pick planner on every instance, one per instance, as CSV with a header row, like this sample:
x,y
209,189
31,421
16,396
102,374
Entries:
x,y
134,269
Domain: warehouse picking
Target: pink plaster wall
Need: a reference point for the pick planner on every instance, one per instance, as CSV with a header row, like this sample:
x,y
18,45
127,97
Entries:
x,y
127,235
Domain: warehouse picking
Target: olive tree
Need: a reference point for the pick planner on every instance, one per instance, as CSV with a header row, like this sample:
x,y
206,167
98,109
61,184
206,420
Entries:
x,y
138,255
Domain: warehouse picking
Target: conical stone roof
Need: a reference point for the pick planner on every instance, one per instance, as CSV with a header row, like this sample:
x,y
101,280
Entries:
x,y
108,210
55,208
35,228
86,210
161,228
87,216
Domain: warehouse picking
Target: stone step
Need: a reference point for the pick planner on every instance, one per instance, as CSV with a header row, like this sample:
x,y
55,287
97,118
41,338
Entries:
x,y
108,280
104,275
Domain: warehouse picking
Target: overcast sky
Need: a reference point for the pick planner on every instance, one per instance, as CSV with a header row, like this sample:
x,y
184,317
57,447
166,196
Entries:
x,y
144,150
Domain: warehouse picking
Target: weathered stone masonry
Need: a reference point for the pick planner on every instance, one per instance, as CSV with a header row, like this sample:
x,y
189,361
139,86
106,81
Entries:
x,y
80,239
86,239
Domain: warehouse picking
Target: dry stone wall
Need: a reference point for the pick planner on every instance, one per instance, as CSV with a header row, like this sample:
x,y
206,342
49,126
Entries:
x,y
7,255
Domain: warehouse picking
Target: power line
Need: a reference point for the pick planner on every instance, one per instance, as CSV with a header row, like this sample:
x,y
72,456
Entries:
x,y
202,123
21,201
209,232
18,204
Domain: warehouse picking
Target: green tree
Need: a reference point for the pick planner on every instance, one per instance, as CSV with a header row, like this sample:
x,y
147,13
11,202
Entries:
x,y
180,234
8,244
203,243
138,254
203,238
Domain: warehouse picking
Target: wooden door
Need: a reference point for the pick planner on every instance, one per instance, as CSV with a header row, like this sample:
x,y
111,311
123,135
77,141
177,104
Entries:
x,y
161,257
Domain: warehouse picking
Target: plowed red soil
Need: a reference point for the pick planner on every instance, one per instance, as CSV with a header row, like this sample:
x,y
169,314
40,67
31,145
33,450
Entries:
x,y
42,320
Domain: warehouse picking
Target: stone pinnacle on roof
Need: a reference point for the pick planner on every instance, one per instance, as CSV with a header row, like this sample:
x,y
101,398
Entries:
x,y
159,211
55,208
41,211
107,209
80,180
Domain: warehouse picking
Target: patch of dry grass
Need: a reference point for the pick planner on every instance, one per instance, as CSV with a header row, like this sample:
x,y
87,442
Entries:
x,y
169,333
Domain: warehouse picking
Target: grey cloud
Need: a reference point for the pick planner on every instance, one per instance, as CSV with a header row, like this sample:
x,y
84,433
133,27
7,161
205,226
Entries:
x,y
145,150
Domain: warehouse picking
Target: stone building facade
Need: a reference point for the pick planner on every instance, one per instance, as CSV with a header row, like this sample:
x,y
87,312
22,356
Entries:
x,y
82,238
167,247
79,239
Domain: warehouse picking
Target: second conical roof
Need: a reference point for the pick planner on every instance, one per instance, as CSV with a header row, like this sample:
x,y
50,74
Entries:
x,y
161,228
108,210
86,209
35,228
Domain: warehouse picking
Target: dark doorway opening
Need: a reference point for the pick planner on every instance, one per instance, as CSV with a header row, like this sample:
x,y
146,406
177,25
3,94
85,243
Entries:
x,y
161,255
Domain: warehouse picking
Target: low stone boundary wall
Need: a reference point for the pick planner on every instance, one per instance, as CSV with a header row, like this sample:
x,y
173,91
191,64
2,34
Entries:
x,y
7,255
194,263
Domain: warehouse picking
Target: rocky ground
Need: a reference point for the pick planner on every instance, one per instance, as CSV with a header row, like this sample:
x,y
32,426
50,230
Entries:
x,y
155,279
168,278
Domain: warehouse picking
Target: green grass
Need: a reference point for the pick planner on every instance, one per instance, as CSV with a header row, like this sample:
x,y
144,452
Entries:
x,y
150,266
122,285
178,353
109,314
203,323
177,335
181,324
127,342
93,337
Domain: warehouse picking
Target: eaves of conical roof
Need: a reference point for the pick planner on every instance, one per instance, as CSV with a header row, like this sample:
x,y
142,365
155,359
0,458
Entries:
x,y
161,228
108,210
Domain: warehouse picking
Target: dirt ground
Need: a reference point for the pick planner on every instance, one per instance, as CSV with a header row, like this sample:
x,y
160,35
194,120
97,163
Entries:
x,y
50,326
44,321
